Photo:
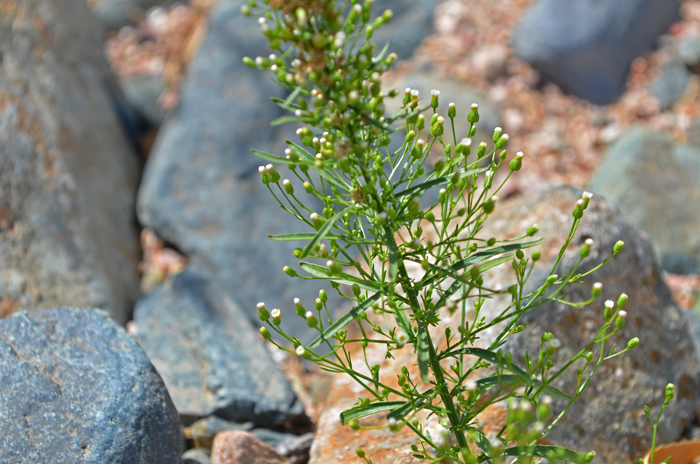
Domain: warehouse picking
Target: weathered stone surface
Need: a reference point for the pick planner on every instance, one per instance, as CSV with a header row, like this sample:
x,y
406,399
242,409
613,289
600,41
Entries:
x,y
68,175
243,448
586,46
142,94
689,159
670,84
211,358
608,416
196,456
75,387
115,14
201,188
295,449
642,176
412,22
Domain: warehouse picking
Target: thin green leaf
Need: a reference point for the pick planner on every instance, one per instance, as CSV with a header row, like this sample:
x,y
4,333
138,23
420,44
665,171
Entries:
x,y
483,255
493,358
344,320
285,119
303,236
495,262
291,98
342,278
403,321
272,158
377,59
423,351
373,408
403,411
481,441
322,232
543,451
422,187
393,255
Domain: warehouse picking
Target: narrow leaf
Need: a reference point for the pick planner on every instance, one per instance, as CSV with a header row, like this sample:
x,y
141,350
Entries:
x,y
403,411
423,351
342,278
483,255
285,119
393,255
291,98
493,358
373,408
322,232
303,236
272,158
344,320
422,187
543,451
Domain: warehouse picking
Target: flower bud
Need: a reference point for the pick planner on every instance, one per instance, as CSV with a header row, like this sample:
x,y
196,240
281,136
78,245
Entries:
x,y
248,61
311,320
414,206
586,199
319,304
301,351
438,129
589,457
360,453
464,147
632,343
434,95
620,320
276,316
618,247
272,172
452,110
536,255
334,267
473,116
307,186
490,204
578,210
481,151
533,230
608,309
442,195
420,123
517,163
551,280
502,141
354,425
317,220
263,314
585,250
265,333
622,301
264,175
323,296
597,289
289,271
669,392
299,308
497,133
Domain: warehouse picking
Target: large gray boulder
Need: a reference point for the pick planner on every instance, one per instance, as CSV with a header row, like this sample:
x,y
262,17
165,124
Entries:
x,y
608,417
642,175
115,14
212,359
68,174
587,46
76,388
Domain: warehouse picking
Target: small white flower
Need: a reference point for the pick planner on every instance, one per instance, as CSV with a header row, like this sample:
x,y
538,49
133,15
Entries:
x,y
475,106
401,338
315,140
545,399
622,314
272,57
494,198
319,156
323,141
589,242
392,421
308,314
261,170
466,142
299,131
498,129
588,195
442,436
598,286
276,313
579,203
262,21
261,306
298,113
288,151
297,302
274,68
470,385
301,351
505,137
259,61
440,120
609,304
556,343
452,105
435,92
296,63
519,155
407,90
415,92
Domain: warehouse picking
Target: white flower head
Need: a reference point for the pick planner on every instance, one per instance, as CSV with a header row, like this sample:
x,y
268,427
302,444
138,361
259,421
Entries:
x,y
262,20
589,242
401,338
435,92
415,92
519,155
442,436
392,421
609,304
308,314
275,313
297,302
301,351
475,106
466,142
259,61
261,306
440,120
273,57
622,314
588,195
556,343
298,114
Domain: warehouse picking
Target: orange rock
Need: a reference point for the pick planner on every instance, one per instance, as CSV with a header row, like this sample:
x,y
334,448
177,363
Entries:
x,y
235,447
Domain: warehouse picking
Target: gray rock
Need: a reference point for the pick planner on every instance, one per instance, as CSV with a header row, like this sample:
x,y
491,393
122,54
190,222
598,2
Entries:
x,y
201,188
608,417
296,449
196,456
211,358
115,14
689,50
412,22
75,387
68,174
451,90
586,46
142,94
670,84
641,175
689,159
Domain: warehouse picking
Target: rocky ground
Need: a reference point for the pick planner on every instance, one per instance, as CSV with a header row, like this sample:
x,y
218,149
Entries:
x,y
127,184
